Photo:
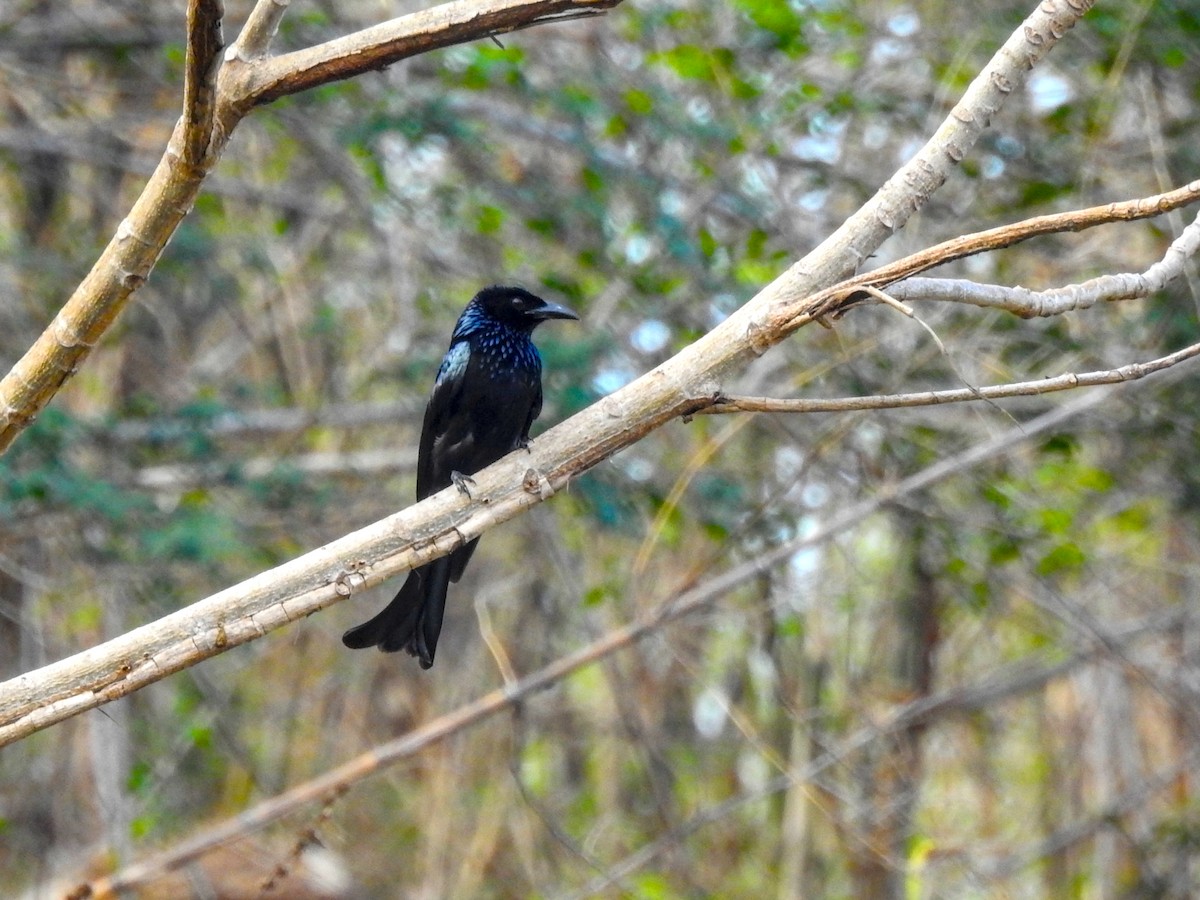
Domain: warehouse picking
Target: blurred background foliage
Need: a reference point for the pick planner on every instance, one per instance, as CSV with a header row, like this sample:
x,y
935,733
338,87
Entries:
x,y
653,168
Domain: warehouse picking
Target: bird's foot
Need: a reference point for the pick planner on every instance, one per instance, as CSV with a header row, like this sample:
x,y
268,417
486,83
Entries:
x,y
461,482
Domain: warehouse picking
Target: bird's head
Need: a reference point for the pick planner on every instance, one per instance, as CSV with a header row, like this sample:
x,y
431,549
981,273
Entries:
x,y
518,308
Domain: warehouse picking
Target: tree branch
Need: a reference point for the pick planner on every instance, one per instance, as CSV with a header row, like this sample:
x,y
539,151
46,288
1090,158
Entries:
x,y
259,30
126,262
389,42
199,81
1068,381
445,521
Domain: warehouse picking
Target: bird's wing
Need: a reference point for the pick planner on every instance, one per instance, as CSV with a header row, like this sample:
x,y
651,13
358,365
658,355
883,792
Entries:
x,y
535,409
444,401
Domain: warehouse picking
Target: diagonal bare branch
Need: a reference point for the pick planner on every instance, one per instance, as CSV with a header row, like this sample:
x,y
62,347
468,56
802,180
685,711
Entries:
x,y
126,262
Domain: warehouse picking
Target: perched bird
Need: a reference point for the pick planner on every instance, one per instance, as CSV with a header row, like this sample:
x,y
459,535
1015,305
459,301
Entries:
x,y
487,394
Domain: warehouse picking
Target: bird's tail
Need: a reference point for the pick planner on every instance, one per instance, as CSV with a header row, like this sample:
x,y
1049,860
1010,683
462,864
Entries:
x,y
413,620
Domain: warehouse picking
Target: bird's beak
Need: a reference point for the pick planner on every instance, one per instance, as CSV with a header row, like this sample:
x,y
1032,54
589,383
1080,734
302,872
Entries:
x,y
552,311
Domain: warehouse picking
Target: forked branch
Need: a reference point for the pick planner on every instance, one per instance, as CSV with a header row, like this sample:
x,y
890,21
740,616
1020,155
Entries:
x,y
216,96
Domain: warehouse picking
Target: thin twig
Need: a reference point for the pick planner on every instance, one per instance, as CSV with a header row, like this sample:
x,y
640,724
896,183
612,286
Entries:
x,y
254,422
1132,372
356,463
259,30
1106,816
888,300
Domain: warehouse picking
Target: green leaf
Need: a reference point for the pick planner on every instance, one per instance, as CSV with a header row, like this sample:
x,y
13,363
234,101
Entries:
x,y
1065,557
779,20
616,126
754,272
639,102
996,496
653,886
756,241
791,626
594,596
1004,550
492,65
201,736
1137,518
489,219
142,826
687,61
1036,193
1055,521
592,180
140,777
547,226
577,100
1098,480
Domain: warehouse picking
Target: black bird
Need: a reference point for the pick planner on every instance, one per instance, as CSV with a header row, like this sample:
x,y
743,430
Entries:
x,y
487,394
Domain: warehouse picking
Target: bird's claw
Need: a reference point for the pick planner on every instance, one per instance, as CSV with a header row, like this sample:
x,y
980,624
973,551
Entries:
x,y
461,481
